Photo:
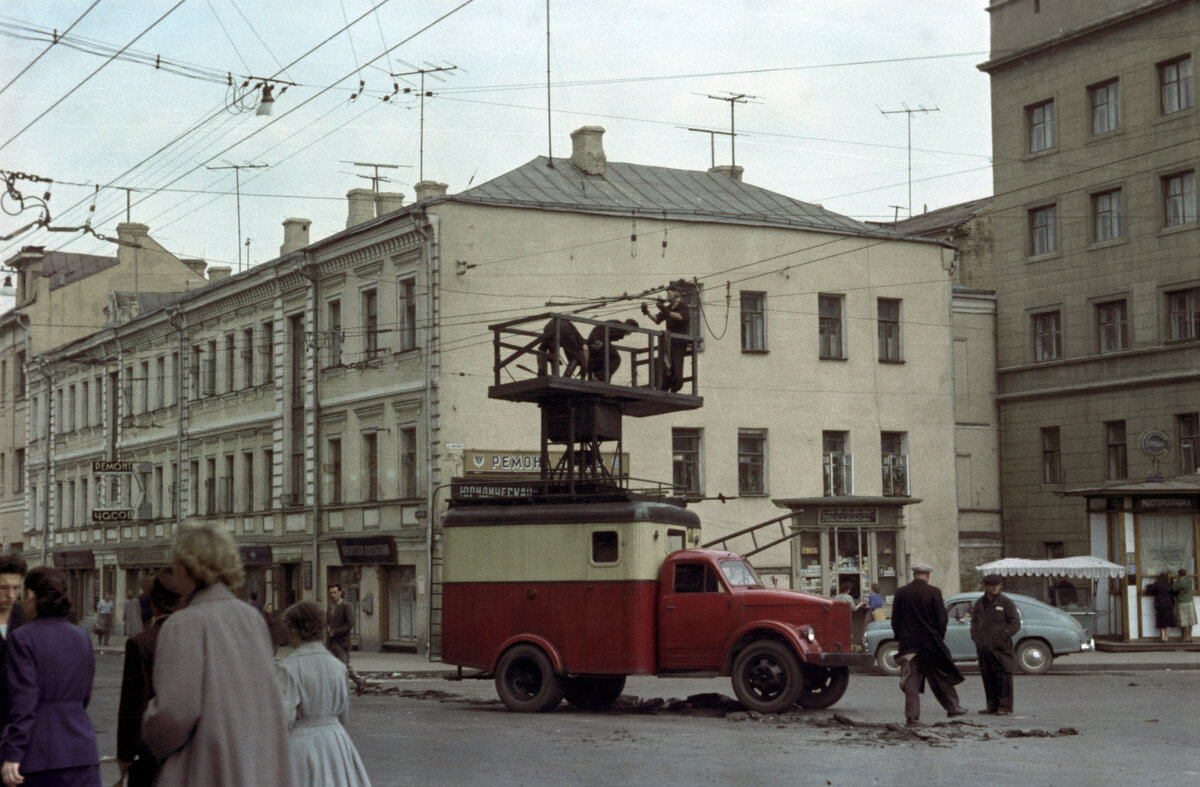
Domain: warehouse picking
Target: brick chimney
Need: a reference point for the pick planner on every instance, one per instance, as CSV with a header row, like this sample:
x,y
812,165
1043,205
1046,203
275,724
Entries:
x,y
587,150
132,231
428,189
388,201
218,272
295,235
729,170
362,206
197,266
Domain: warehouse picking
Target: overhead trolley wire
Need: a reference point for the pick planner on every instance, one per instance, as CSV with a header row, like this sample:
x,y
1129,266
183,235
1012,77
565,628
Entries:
x,y
8,84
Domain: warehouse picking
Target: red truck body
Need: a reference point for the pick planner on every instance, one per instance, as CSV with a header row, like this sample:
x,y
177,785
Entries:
x,y
593,592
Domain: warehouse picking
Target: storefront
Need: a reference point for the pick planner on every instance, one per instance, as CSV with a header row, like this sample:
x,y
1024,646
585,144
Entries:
x,y
256,561
80,566
1148,527
382,590
138,563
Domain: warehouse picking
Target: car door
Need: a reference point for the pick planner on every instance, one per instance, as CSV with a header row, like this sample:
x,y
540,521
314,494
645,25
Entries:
x,y
958,630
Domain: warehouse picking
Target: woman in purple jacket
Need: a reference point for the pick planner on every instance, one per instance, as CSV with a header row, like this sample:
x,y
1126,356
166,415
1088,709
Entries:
x,y
50,671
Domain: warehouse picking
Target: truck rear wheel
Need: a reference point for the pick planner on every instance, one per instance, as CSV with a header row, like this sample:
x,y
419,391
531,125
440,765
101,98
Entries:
x,y
823,686
767,677
593,692
526,682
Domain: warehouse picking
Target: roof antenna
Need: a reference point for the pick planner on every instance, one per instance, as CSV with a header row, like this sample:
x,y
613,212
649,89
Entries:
x,y
549,128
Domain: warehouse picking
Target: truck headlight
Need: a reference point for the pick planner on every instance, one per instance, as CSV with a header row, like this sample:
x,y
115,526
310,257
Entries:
x,y
809,634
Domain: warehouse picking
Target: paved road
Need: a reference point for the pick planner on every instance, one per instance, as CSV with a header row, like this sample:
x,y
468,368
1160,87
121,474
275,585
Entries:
x,y
1100,728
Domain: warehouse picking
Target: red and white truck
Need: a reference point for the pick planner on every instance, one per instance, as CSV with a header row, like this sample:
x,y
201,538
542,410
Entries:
x,y
567,598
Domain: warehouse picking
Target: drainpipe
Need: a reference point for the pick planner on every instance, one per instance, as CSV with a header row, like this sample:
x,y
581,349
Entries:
x,y
431,240
49,453
177,321
306,268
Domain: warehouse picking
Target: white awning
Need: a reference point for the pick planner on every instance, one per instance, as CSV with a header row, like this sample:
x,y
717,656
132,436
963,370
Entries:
x,y
1083,567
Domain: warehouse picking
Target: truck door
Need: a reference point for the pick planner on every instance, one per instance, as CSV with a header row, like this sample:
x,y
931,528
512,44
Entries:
x,y
694,619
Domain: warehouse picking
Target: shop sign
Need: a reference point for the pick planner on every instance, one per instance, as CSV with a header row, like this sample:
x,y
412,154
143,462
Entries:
x,y
81,559
255,556
1166,503
861,515
104,516
365,551
528,462
461,488
149,557
104,466
1154,443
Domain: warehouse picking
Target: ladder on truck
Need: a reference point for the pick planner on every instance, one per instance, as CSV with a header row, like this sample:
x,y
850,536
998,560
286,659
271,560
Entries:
x,y
753,533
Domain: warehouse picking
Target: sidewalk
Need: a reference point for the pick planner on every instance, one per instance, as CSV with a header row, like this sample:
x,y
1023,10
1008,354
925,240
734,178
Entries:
x,y
393,666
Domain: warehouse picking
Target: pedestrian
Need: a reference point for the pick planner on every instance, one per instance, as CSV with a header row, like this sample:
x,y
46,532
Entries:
x,y
1164,604
875,603
315,705
137,685
131,615
919,622
49,739
104,619
1185,607
674,312
994,621
144,600
254,602
339,622
12,575
217,715
274,626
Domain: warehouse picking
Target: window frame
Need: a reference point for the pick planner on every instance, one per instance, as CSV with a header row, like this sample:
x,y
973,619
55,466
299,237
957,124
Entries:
x,y
1112,334
753,311
1179,203
1183,314
369,305
1107,216
1109,108
887,328
1176,92
1187,426
831,328
410,475
687,461
836,443
333,311
1051,440
1040,126
894,464
407,291
1047,325
1116,451
1043,230
752,460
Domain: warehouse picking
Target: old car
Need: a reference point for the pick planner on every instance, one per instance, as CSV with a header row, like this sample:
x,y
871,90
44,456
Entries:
x,y
1046,633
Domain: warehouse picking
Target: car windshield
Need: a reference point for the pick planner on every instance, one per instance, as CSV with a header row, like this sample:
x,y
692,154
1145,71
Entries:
x,y
739,572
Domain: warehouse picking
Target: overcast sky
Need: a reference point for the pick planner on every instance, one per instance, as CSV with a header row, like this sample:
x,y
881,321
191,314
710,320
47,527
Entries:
x,y
820,72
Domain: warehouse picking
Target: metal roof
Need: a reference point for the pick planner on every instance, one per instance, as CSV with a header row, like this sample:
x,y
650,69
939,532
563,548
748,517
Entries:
x,y
941,220
657,192
63,268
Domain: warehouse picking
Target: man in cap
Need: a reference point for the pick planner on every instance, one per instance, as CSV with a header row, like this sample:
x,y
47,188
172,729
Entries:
x,y
674,311
919,621
994,621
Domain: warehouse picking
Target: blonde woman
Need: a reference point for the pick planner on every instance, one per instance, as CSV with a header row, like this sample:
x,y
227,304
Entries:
x,y
217,716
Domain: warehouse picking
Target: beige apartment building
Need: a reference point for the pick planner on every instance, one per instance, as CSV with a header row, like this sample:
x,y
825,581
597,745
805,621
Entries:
x,y
1096,138
319,405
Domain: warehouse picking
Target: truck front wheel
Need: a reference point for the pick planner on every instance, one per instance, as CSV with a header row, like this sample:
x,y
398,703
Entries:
x,y
526,682
767,677
593,692
823,686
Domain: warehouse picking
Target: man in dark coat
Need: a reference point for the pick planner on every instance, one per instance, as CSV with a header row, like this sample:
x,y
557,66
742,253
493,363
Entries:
x,y
994,621
603,357
919,621
339,622
674,312
12,572
137,686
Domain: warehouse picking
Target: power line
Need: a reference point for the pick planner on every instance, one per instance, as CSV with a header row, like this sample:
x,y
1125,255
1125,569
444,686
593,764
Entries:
x,y
8,84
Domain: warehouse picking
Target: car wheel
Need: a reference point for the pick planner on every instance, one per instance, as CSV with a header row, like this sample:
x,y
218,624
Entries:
x,y
526,682
595,691
1034,656
885,657
823,686
767,677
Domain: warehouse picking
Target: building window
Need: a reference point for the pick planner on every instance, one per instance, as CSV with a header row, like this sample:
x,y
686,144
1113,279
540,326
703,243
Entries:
x,y
754,322
1114,438
210,486
268,479
894,455
1183,308
1112,326
1175,77
268,351
408,314
247,481
248,357
174,377
370,318
1106,208
1106,107
335,333
831,330
408,462
230,363
752,462
685,462
194,486
334,465
69,415
160,382
19,471
1047,336
371,466
85,404
1179,199
1051,460
19,376
1043,230
1189,443
838,463
210,369
1041,126
889,329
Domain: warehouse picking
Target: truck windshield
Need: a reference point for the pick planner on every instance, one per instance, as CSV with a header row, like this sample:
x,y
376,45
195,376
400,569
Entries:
x,y
739,572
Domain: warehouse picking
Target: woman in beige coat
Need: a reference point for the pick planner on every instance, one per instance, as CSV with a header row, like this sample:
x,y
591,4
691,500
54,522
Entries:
x,y
217,715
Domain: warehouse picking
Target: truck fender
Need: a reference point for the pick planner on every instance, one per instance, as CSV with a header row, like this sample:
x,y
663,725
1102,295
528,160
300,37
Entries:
x,y
551,652
768,629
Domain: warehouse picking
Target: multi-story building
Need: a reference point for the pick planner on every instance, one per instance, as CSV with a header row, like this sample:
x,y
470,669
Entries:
x,y
1096,138
318,405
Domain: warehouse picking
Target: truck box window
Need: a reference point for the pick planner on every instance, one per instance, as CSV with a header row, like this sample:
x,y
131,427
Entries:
x,y
604,546
675,540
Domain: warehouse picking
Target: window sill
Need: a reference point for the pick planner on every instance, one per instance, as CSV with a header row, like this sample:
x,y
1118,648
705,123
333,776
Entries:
x,y
1169,117
742,493
1108,244
408,351
1177,228
1050,255
753,352
892,361
1036,154
833,358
